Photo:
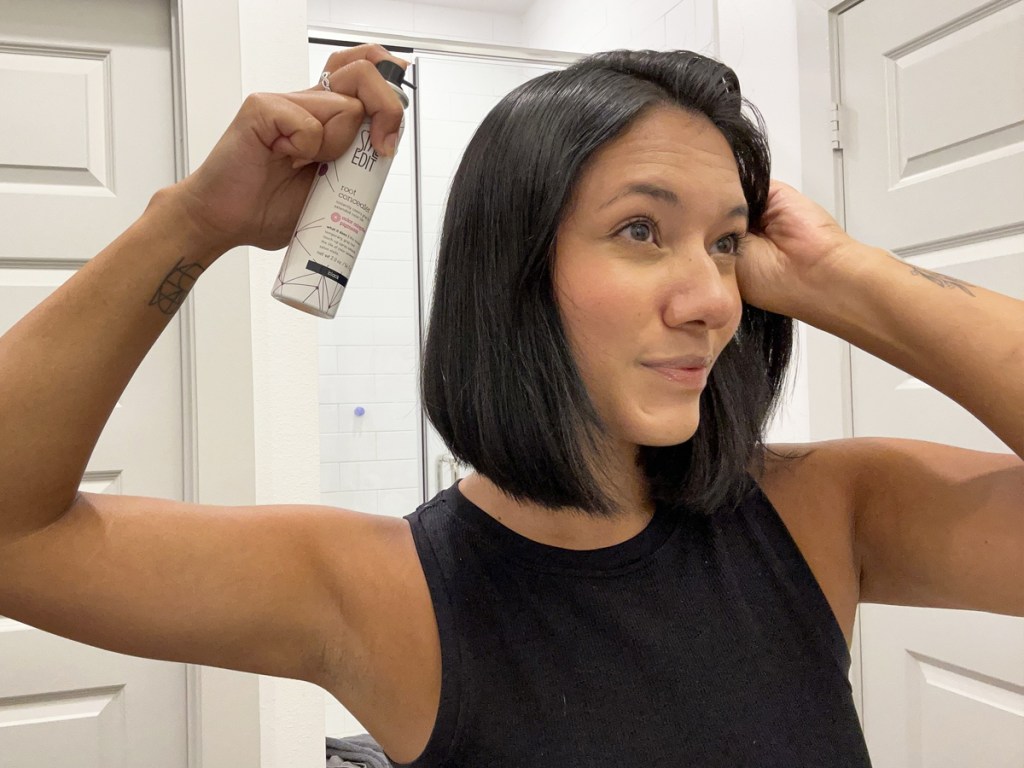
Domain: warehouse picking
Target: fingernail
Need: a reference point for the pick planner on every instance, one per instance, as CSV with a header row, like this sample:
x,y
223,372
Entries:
x,y
390,142
299,163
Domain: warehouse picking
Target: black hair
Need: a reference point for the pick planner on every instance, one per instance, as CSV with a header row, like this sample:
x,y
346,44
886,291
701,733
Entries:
x,y
499,381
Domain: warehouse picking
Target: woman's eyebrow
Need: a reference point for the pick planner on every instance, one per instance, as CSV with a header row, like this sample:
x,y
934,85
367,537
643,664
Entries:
x,y
740,211
644,188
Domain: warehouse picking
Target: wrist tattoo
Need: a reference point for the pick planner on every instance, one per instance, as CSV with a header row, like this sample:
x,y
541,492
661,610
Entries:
x,y
943,281
175,287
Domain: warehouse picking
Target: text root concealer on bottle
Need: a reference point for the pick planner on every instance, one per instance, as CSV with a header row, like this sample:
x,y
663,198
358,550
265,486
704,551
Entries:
x,y
333,221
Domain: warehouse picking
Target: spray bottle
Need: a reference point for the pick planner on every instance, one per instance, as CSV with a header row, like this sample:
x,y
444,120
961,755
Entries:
x,y
332,224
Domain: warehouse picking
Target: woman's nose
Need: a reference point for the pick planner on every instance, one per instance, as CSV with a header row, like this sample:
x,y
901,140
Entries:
x,y
701,288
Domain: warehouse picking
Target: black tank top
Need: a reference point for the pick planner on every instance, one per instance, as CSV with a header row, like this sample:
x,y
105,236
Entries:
x,y
701,642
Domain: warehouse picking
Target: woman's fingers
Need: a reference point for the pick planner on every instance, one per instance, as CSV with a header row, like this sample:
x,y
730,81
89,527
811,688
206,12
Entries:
x,y
371,52
361,79
352,71
304,126
316,125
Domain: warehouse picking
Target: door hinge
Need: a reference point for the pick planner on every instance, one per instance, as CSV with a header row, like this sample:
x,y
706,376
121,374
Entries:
x,y
834,125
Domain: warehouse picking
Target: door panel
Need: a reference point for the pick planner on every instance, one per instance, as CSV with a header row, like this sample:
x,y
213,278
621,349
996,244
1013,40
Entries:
x,y
89,90
933,159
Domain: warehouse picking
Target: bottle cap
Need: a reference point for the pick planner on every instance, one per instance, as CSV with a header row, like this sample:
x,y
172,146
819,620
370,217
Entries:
x,y
391,72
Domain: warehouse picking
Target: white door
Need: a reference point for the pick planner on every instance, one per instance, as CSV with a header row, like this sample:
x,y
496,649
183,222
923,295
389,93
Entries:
x,y
86,138
455,94
933,156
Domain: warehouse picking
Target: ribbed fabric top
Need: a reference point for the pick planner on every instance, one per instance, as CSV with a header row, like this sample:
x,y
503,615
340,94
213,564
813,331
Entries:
x,y
702,641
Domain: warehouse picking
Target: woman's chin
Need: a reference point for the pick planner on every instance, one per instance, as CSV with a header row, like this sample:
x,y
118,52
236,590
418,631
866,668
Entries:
x,y
664,434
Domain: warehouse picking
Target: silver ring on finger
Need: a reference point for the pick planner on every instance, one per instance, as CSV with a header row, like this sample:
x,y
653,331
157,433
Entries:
x,y
325,81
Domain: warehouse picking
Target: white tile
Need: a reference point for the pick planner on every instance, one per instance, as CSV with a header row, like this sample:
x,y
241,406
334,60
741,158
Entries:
x,y
387,274
348,447
680,27
380,302
474,107
392,217
435,104
395,387
377,417
397,189
354,360
360,501
389,245
447,134
347,389
398,502
346,328
440,162
433,219
452,22
399,359
329,478
472,77
394,331
378,15
328,418
397,445
383,475
328,360
435,190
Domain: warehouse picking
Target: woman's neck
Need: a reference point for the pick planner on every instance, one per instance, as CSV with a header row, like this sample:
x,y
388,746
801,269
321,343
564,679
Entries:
x,y
567,528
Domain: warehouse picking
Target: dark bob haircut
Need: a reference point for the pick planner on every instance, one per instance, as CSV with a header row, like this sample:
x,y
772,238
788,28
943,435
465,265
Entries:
x,y
499,380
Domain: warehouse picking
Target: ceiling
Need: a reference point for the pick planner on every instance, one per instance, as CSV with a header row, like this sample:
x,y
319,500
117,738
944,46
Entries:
x,y
516,7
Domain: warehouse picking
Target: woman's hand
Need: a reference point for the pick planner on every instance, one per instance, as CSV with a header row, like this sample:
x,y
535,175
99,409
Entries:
x,y
251,188
798,243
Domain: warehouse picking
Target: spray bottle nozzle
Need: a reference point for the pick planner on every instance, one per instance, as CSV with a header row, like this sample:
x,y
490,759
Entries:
x,y
393,73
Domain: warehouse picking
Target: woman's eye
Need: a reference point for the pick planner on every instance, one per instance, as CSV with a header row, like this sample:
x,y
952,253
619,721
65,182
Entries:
x,y
639,230
733,243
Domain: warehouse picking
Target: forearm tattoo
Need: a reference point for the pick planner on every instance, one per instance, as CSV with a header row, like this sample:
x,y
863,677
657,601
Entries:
x,y
943,281
175,287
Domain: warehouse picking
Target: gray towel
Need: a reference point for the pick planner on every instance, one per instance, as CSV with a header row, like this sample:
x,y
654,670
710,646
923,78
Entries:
x,y
355,752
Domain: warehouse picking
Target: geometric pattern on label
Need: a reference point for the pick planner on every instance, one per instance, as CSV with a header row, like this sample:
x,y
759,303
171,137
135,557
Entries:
x,y
305,286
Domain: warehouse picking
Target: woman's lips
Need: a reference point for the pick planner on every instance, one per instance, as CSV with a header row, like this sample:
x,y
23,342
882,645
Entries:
x,y
693,378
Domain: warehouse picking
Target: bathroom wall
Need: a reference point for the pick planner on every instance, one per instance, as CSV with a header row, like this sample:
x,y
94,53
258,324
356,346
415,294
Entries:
x,y
410,17
597,25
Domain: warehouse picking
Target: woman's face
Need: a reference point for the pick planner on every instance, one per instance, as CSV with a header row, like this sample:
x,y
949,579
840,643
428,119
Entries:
x,y
645,272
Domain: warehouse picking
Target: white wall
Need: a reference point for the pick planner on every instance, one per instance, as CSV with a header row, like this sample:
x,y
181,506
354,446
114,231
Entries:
x,y
425,20
598,25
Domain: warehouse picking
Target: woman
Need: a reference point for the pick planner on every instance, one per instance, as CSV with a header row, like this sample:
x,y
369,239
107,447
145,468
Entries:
x,y
628,574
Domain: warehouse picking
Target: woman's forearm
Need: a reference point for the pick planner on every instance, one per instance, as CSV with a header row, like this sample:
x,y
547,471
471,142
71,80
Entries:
x,y
965,341
65,364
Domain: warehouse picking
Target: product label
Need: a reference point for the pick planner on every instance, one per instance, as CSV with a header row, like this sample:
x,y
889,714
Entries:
x,y
327,272
365,156
340,205
332,225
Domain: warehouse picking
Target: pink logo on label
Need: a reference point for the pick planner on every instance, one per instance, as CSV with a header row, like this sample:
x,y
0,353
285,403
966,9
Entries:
x,y
335,217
